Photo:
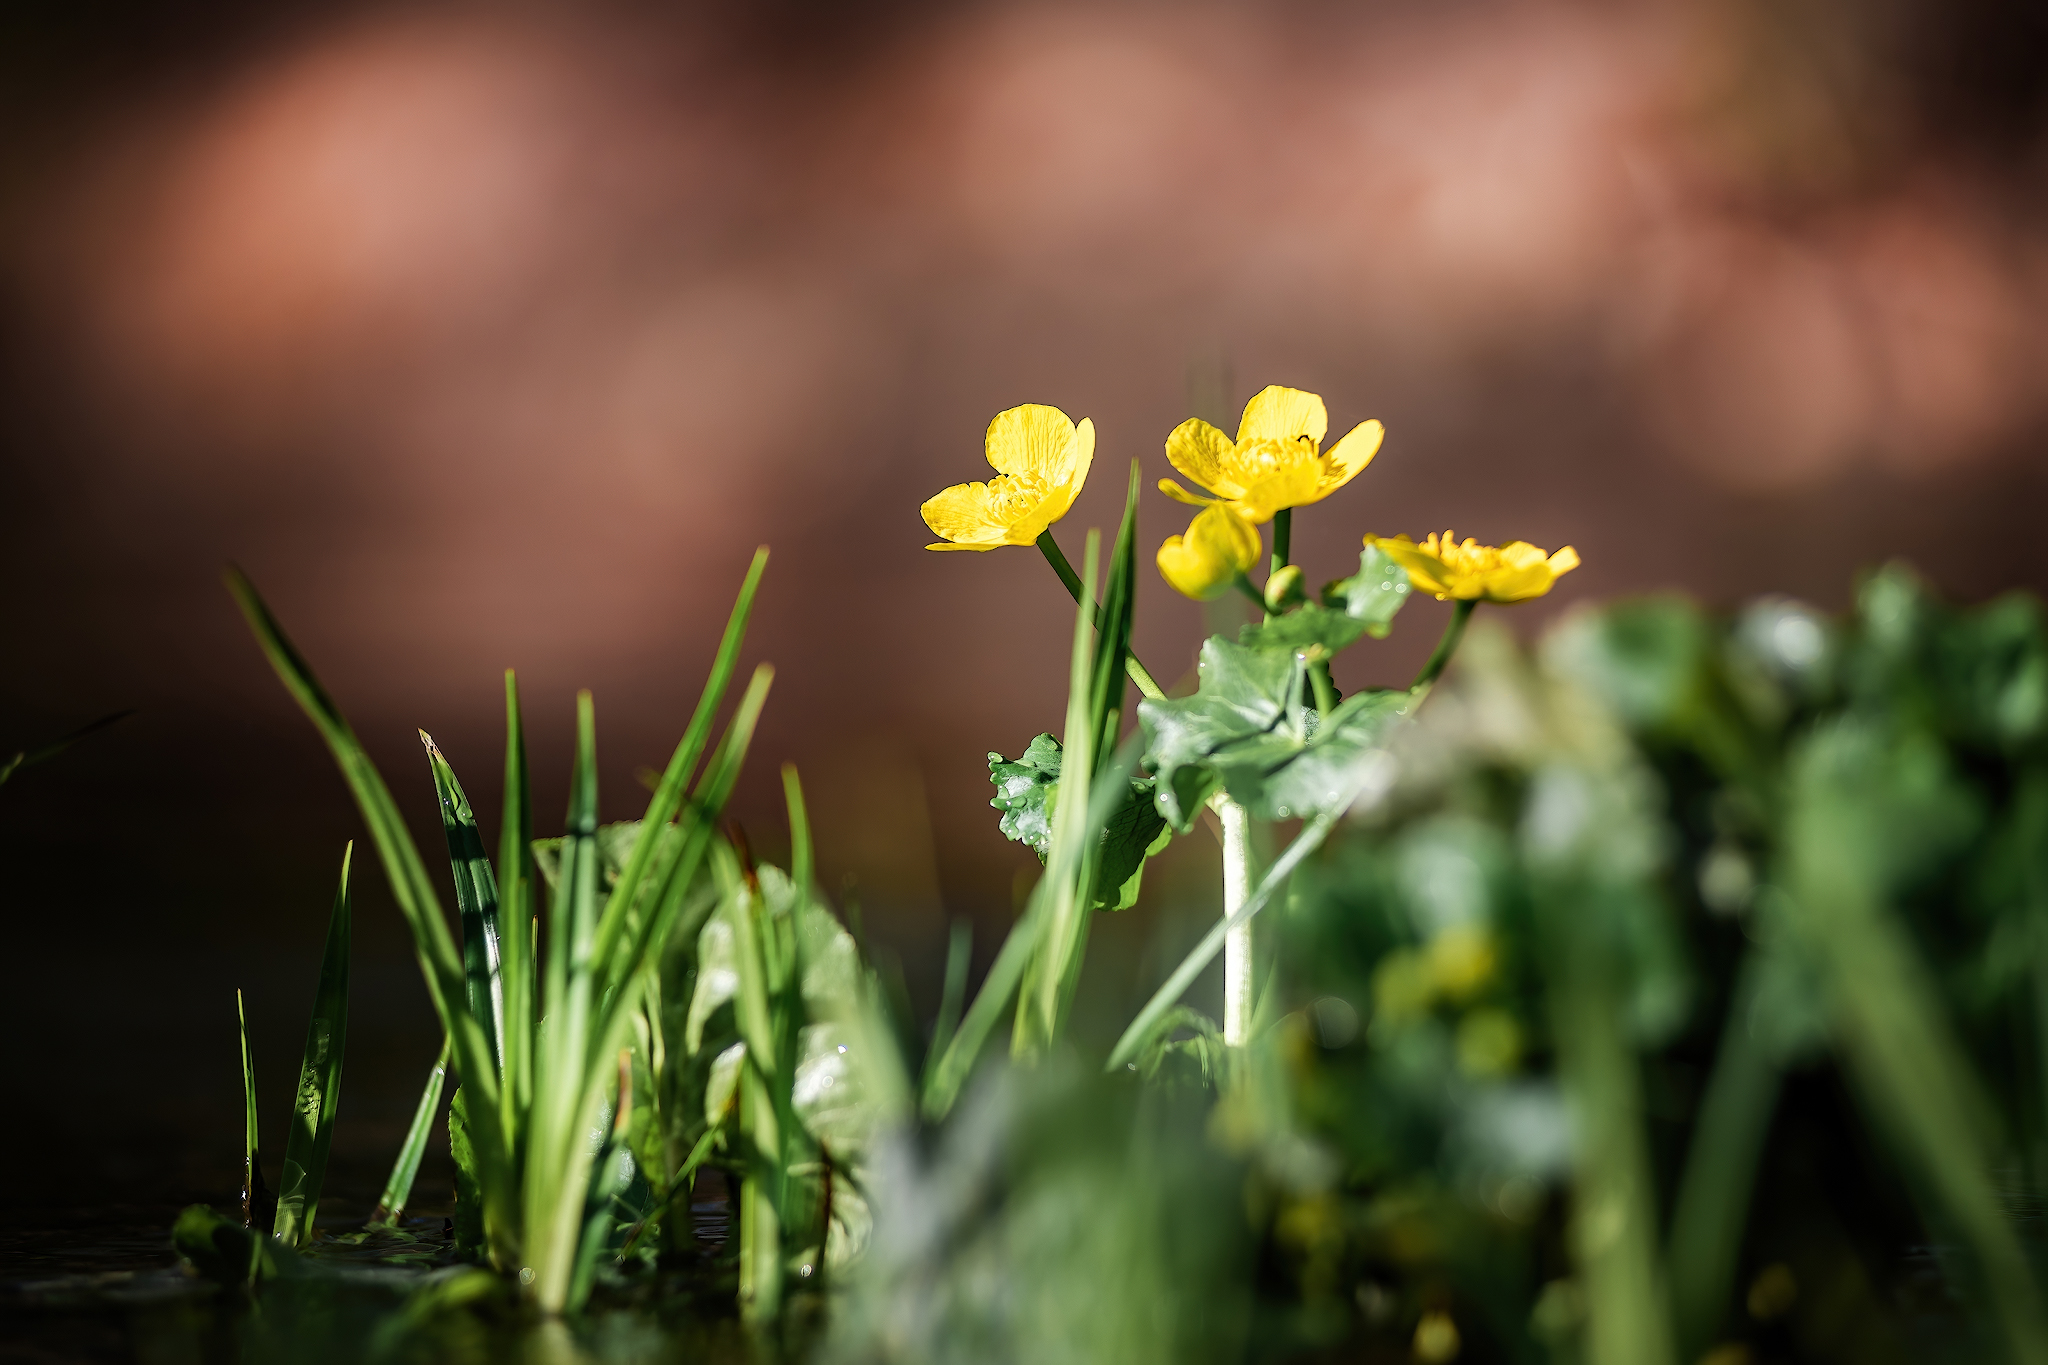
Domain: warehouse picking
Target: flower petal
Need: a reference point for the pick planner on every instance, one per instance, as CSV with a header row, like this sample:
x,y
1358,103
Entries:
x,y
1282,414
966,514
1035,441
1179,494
1292,485
1218,547
1425,571
1343,461
1203,453
1564,561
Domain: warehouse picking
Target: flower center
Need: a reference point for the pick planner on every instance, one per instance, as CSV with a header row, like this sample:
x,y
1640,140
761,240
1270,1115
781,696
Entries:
x,y
1263,458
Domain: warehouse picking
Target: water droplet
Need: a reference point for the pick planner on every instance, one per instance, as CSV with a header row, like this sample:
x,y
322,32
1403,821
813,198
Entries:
x,y
842,1047
526,1274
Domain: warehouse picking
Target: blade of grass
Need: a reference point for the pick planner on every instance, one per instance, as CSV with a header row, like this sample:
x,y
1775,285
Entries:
x,y
256,1204
1613,1230
558,1156
413,889
515,938
800,871
668,795
319,1089
614,1174
1720,1169
1037,1021
28,758
948,1075
952,994
398,1189
476,902
633,966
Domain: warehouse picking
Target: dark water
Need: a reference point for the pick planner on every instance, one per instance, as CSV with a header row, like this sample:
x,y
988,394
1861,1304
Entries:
x,y
104,1285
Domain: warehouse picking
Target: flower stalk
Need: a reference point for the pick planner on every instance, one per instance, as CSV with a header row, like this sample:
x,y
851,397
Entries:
x,y
1238,965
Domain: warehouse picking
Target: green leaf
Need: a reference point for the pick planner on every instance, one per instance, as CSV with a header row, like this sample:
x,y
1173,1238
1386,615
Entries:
x,y
1309,629
319,1088
1374,594
476,900
1315,777
469,1217
1024,791
1027,792
398,1189
1243,696
256,1201
517,899
1244,728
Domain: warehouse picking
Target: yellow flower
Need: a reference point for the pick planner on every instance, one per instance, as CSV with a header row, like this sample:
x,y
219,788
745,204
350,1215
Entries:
x,y
1041,460
1276,461
1473,572
1218,547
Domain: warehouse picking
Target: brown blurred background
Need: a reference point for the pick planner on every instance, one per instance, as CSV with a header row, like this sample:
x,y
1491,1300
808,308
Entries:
x,y
499,335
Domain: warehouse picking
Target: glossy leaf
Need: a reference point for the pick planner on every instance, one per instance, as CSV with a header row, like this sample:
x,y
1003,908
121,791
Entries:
x,y
1026,793
1242,698
476,900
1373,595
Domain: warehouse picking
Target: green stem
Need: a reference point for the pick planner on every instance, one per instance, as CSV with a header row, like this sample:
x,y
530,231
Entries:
x,y
1445,647
1326,693
1283,535
1238,1000
1251,590
1140,675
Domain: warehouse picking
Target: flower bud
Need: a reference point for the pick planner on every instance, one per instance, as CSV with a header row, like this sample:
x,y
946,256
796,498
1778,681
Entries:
x,y
1284,589
1218,546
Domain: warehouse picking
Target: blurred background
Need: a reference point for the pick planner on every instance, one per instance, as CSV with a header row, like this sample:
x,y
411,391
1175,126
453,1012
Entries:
x,y
489,336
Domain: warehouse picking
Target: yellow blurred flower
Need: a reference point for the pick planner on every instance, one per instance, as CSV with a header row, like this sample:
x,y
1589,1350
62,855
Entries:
x,y
1041,460
1473,572
1276,462
1218,547
1461,959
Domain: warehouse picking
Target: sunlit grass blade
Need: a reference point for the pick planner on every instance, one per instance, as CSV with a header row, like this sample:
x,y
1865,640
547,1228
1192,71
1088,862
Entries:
x,y
800,871
476,901
631,967
668,794
558,1158
28,758
398,1189
1064,925
613,1176
515,937
319,1089
256,1203
413,889
956,1063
